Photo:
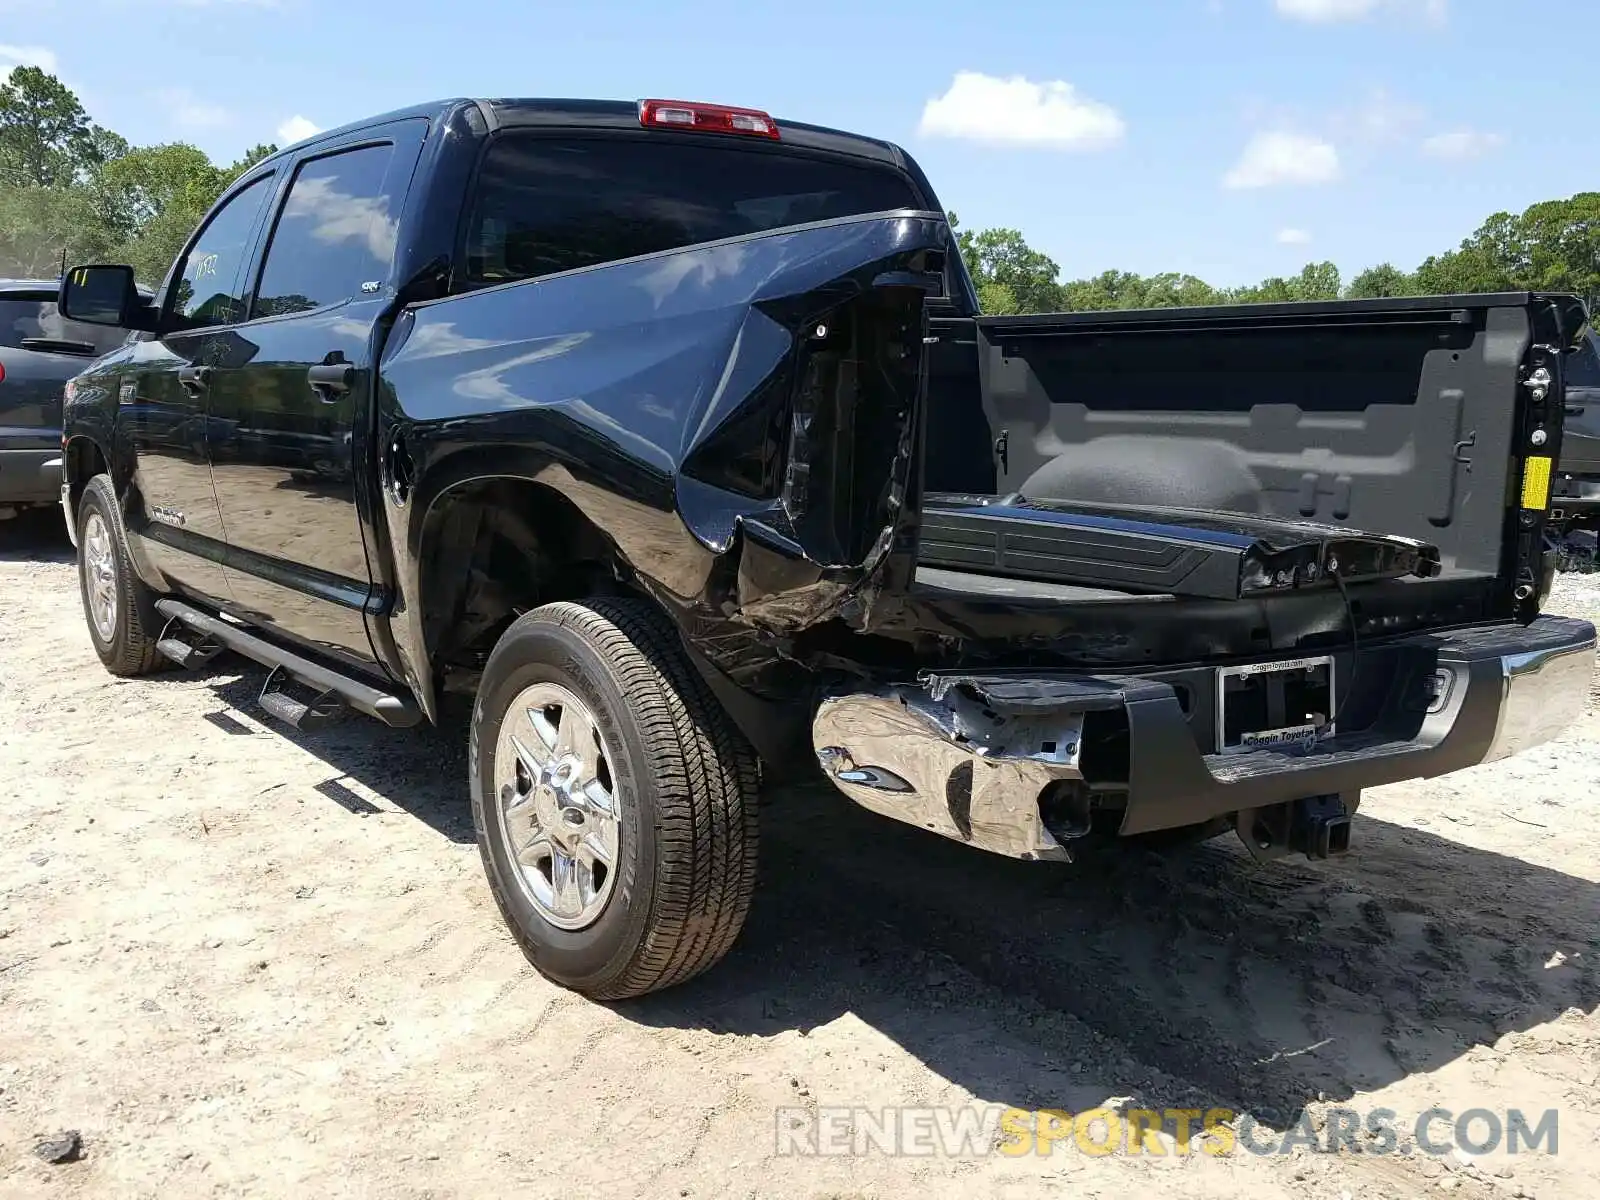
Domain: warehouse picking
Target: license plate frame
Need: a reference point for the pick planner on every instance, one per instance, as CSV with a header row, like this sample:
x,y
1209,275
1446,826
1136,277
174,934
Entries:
x,y
1295,735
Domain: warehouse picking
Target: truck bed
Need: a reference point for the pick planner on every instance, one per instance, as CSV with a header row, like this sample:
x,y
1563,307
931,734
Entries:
x,y
1407,417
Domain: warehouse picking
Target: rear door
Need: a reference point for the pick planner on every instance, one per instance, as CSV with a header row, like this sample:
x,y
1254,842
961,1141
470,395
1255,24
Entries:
x,y
290,391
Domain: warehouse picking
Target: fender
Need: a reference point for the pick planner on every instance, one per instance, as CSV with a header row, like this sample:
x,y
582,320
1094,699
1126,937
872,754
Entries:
x,y
739,420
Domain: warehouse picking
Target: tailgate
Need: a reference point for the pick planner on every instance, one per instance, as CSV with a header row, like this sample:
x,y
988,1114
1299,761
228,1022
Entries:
x,y
1418,417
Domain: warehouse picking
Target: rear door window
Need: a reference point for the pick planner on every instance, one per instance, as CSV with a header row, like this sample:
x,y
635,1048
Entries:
x,y
335,237
548,204
1583,365
36,319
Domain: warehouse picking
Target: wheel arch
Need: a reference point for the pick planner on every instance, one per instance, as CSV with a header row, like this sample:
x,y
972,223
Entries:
x,y
488,548
82,458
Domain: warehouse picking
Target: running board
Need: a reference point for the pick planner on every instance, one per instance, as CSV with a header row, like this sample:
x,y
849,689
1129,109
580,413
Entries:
x,y
309,714
400,712
188,648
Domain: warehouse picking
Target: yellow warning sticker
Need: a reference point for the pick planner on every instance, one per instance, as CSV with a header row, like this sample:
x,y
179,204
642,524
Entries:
x,y
1536,483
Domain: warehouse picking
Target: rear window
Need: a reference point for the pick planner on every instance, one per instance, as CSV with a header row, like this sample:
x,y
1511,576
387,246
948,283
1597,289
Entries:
x,y
38,318
545,205
1583,367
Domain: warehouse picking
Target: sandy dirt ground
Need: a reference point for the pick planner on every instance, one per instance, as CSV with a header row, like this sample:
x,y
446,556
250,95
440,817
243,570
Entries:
x,y
241,961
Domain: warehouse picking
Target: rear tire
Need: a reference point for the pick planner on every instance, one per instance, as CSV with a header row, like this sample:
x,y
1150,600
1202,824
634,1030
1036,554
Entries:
x,y
614,801
119,608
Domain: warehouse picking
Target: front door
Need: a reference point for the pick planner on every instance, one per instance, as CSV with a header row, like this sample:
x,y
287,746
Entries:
x,y
162,401
291,391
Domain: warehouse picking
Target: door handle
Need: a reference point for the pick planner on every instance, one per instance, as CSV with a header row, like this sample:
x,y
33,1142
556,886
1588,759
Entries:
x,y
194,379
330,380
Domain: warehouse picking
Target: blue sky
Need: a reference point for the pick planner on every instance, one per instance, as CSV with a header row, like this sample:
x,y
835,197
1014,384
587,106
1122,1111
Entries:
x,y
1230,138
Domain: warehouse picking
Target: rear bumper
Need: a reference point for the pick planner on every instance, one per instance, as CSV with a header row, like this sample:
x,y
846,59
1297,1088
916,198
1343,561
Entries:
x,y
29,476
970,757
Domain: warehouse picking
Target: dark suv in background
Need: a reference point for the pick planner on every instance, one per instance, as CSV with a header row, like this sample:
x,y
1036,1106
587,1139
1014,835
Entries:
x,y
1575,493
39,351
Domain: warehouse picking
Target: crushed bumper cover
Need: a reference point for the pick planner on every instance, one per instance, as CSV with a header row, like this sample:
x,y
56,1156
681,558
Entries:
x,y
969,757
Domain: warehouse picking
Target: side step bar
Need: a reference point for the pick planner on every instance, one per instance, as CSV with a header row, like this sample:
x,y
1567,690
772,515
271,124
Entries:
x,y
399,712
188,648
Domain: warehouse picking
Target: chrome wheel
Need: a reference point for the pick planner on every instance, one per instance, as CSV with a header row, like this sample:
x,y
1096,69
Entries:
x,y
558,806
100,576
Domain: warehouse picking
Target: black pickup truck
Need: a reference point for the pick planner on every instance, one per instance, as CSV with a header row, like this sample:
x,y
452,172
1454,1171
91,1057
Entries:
x,y
671,433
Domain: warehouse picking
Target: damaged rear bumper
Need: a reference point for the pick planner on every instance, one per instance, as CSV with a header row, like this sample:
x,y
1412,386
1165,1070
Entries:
x,y
1008,762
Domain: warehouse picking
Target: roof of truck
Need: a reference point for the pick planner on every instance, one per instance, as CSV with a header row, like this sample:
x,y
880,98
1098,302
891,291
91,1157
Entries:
x,y
610,114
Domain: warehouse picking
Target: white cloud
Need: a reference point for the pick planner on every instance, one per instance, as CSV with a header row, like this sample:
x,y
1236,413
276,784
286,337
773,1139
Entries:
x,y
1460,144
27,56
1017,111
336,216
1381,118
1326,10
1329,12
1284,158
1293,237
296,129
188,111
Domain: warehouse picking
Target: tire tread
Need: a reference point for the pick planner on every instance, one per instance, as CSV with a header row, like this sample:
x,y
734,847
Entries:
x,y
707,783
137,620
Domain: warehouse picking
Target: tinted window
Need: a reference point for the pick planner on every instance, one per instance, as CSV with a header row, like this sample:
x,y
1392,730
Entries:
x,y
336,233
209,288
1583,367
38,318
545,205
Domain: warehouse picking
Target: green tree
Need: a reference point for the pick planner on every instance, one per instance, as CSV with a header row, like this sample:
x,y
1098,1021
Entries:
x,y
1107,290
1010,272
45,136
1560,246
39,226
1463,272
1380,281
1316,281
139,186
1173,290
251,157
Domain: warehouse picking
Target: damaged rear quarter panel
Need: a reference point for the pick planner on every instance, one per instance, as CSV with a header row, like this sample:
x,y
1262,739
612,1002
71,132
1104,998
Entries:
x,y
676,401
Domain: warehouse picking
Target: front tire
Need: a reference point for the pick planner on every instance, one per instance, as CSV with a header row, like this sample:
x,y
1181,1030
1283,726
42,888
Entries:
x,y
614,801
119,608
